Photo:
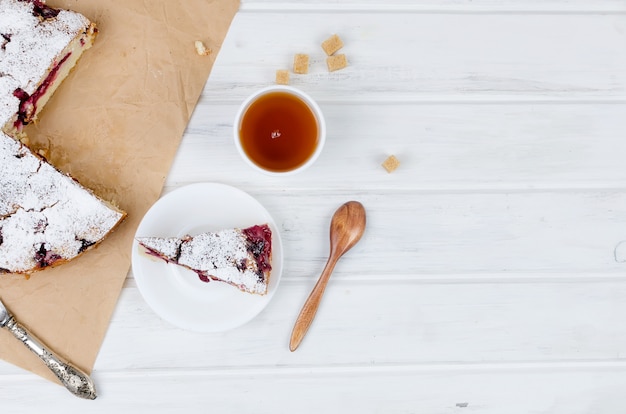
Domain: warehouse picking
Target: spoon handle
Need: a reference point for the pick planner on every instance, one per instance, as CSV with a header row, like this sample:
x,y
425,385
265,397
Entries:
x,y
305,318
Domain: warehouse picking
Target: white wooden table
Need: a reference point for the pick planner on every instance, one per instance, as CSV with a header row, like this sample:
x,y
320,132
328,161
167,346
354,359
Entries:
x,y
491,278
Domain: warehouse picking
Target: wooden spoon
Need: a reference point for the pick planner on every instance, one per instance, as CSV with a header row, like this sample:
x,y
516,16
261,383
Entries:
x,y
346,228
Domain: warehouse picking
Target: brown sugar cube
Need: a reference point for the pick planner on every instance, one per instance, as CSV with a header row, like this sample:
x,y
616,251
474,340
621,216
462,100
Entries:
x,y
301,63
332,44
391,163
282,77
336,62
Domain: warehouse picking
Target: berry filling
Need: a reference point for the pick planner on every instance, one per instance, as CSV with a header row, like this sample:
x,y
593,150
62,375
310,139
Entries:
x,y
260,245
44,257
203,277
7,39
28,103
84,245
42,10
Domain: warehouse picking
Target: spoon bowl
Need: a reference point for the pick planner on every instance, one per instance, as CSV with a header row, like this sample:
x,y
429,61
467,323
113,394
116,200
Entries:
x,y
346,228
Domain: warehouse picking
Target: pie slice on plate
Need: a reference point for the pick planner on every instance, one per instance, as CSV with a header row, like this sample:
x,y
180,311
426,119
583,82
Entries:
x,y
240,257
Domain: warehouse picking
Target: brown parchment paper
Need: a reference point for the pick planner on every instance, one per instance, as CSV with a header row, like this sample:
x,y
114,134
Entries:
x,y
114,124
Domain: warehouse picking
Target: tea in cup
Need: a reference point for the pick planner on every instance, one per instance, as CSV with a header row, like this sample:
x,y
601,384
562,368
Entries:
x,y
279,130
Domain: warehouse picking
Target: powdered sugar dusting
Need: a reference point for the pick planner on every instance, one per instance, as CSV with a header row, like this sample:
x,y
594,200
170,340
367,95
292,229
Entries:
x,y
9,104
45,215
208,251
223,255
34,43
29,47
167,248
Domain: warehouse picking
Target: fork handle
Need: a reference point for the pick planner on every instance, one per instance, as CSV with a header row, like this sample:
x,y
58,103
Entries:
x,y
75,380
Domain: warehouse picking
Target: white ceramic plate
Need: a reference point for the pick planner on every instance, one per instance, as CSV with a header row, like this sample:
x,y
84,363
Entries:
x,y
177,294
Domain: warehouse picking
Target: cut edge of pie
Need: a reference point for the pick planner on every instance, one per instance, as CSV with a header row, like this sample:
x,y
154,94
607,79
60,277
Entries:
x,y
46,217
34,72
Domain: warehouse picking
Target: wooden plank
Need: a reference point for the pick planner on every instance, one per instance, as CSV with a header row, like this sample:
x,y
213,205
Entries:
x,y
445,57
396,323
550,390
417,233
458,6
519,146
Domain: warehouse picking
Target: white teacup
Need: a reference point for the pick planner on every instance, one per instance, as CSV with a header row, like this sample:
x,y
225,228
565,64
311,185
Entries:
x,y
279,130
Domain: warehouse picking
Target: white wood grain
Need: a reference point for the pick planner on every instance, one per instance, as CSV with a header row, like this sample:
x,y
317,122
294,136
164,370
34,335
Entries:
x,y
547,389
392,324
518,146
491,276
440,6
411,233
403,57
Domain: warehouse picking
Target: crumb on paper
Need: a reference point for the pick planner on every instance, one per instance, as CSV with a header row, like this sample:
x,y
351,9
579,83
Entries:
x,y
391,163
332,44
301,63
282,77
336,62
201,49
